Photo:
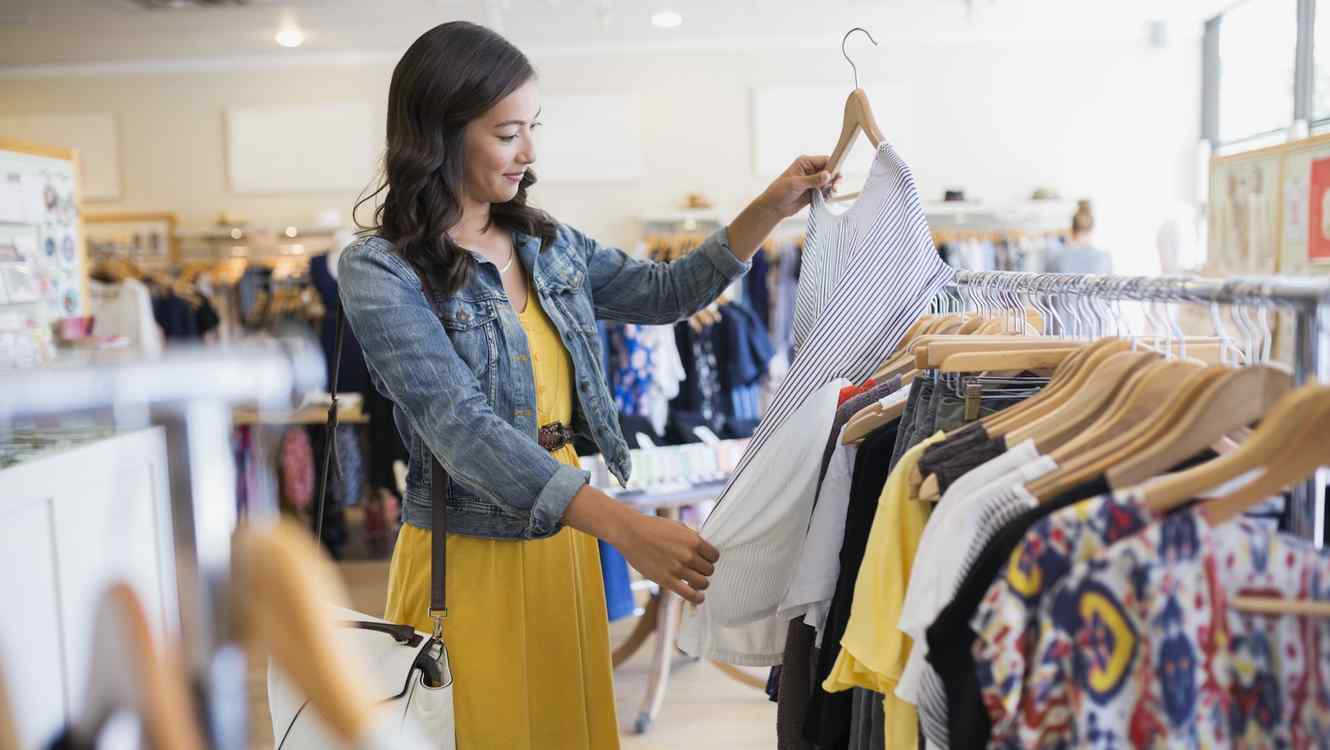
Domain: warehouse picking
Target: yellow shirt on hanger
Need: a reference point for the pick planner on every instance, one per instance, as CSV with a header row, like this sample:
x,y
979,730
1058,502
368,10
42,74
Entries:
x,y
873,650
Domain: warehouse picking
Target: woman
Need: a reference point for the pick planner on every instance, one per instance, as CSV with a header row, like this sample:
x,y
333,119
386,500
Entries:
x,y
495,376
1080,255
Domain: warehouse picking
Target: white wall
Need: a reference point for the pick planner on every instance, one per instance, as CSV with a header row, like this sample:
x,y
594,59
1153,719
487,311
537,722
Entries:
x,y
1115,121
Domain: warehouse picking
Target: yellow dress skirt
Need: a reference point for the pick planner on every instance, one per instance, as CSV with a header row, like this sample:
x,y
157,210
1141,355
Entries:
x,y
527,631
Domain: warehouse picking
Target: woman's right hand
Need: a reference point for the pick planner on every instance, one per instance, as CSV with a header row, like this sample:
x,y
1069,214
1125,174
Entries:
x,y
667,552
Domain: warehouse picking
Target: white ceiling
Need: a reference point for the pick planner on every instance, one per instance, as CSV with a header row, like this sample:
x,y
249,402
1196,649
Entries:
x,y
50,35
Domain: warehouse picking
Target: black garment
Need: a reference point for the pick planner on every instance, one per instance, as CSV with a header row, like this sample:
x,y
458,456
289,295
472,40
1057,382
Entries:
x,y
827,719
701,399
756,291
66,741
744,347
796,684
175,316
920,391
950,637
385,445
354,375
773,684
954,444
950,470
206,318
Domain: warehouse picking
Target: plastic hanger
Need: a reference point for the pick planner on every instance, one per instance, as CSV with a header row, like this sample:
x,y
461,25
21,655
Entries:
x,y
131,672
858,117
290,589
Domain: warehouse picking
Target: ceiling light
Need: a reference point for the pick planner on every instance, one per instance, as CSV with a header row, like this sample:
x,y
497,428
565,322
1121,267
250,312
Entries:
x,y
290,38
666,19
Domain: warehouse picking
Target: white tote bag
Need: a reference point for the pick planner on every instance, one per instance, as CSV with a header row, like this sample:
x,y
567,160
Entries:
x,y
402,664
405,670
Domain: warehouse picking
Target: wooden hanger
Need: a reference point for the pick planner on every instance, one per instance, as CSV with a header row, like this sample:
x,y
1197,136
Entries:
x,y
1237,399
1266,605
1146,389
8,727
1020,359
1103,456
1294,464
1097,353
1085,405
1282,436
130,672
289,589
1082,406
870,419
857,118
930,351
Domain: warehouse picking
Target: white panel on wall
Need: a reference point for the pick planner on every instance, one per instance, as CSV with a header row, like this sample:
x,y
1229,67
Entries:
x,y
794,119
300,149
31,657
91,133
585,138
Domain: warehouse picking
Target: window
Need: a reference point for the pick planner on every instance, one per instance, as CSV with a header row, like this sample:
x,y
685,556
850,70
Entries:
x,y
1257,58
1321,68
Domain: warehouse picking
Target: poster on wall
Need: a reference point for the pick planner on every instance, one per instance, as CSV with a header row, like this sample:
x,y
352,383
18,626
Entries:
x,y
146,239
1318,236
1306,225
1244,231
43,269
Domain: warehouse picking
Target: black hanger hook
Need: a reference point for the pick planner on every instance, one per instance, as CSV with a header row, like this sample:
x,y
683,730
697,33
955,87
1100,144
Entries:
x,y
847,56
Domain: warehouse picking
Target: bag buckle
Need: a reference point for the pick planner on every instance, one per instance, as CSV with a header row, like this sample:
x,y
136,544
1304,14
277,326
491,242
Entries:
x,y
438,616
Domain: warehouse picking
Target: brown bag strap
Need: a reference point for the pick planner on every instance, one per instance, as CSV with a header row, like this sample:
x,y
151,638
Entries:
x,y
438,499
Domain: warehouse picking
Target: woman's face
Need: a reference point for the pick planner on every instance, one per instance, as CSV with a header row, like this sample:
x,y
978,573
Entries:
x,y
499,146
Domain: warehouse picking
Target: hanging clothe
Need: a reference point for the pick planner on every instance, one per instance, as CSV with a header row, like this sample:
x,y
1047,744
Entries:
x,y
868,274
125,309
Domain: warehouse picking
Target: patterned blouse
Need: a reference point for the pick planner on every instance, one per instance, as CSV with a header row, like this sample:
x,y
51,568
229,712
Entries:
x,y
1007,623
1138,647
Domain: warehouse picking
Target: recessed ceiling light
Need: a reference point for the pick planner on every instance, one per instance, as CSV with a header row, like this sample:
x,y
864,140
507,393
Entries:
x,y
290,38
666,19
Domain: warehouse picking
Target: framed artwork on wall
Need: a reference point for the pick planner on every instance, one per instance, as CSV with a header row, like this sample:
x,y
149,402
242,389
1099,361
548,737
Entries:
x,y
147,239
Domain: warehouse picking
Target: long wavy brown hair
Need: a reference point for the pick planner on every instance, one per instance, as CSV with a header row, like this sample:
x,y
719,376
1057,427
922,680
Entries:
x,y
451,75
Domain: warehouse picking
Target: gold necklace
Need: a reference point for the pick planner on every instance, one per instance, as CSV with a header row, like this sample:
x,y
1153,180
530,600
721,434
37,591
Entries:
x,y
511,256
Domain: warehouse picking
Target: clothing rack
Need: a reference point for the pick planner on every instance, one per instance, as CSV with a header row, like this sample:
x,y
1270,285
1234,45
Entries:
x,y
1307,299
190,393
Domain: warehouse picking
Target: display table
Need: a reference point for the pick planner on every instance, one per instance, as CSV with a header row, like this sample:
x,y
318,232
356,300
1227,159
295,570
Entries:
x,y
662,614
77,512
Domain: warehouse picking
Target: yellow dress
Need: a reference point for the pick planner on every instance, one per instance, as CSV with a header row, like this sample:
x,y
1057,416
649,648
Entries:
x,y
527,631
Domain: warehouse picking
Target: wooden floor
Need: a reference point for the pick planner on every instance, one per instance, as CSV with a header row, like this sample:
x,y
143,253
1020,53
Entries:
x,y
704,709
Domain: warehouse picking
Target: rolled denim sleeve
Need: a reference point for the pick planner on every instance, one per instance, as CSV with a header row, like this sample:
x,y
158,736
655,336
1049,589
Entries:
x,y
408,349
630,290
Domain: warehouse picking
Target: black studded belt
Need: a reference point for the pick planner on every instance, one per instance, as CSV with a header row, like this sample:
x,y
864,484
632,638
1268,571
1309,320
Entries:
x,y
555,435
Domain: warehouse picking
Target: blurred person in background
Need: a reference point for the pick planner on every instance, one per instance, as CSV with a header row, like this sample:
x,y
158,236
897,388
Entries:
x,y
1080,255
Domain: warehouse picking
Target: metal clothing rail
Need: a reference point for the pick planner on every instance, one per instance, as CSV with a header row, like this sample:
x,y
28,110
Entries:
x,y
1307,299
190,394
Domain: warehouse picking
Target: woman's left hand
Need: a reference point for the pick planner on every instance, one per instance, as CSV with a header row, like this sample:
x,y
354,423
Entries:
x,y
793,189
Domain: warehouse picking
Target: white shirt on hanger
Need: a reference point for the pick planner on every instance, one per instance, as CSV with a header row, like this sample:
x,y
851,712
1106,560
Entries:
x,y
125,309
761,541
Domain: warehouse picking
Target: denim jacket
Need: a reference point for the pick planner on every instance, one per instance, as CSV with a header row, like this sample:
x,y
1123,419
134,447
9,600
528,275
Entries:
x,y
461,380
